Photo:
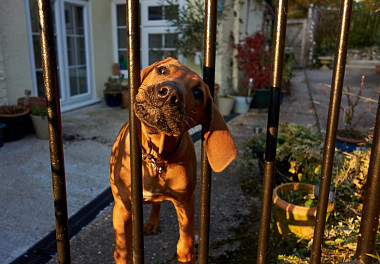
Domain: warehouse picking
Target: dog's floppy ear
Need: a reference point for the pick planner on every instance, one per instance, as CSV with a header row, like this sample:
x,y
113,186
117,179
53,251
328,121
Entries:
x,y
145,72
219,144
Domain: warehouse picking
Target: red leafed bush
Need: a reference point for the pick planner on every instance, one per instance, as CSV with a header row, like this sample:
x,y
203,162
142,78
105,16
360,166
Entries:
x,y
253,58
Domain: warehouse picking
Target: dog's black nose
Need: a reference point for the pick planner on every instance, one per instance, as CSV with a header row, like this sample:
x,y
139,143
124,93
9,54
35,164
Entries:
x,y
169,91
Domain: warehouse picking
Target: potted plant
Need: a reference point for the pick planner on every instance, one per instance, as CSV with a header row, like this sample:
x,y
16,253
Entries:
x,y
288,69
113,91
299,153
15,119
40,121
253,58
298,165
225,103
296,209
29,101
349,138
243,99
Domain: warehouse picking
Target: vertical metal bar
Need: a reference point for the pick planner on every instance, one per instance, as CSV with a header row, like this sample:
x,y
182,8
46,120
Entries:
x,y
371,204
331,128
205,182
136,166
272,128
49,64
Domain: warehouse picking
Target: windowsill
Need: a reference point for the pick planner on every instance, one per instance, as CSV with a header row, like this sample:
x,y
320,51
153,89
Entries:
x,y
75,106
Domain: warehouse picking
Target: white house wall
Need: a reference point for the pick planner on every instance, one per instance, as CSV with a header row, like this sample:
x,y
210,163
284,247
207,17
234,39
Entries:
x,y
240,21
14,45
16,63
102,42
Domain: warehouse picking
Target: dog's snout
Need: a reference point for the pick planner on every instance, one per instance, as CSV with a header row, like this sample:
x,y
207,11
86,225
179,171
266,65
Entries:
x,y
169,91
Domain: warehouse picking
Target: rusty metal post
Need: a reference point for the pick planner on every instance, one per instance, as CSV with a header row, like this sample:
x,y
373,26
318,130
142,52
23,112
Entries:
x,y
136,166
332,126
272,128
49,64
371,204
205,182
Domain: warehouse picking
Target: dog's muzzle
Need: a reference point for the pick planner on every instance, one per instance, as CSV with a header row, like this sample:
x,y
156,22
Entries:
x,y
162,107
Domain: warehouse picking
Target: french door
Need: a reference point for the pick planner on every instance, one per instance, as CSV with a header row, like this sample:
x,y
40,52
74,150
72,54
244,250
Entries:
x,y
71,26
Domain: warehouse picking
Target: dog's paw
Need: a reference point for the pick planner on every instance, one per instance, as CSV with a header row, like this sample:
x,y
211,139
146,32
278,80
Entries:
x,y
151,227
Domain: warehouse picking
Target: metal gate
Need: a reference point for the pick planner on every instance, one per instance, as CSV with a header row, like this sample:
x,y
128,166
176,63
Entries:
x,y
371,206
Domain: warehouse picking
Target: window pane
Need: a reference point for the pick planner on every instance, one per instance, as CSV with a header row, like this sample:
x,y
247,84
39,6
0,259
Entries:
x,y
123,60
81,51
71,51
69,20
121,15
170,40
171,12
37,51
82,79
122,38
155,41
73,81
40,83
170,53
78,13
155,13
34,15
155,55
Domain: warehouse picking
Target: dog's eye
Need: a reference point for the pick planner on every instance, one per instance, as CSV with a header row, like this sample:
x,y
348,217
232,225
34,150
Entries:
x,y
163,70
198,93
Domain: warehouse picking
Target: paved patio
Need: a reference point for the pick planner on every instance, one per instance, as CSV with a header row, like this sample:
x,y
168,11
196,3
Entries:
x,y
26,207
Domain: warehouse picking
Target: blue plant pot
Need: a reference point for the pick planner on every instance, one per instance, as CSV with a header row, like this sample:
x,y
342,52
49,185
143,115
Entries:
x,y
113,99
2,129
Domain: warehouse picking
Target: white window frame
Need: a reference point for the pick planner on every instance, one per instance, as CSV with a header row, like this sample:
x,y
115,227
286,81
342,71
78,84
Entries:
x,y
114,33
67,102
145,43
144,15
147,27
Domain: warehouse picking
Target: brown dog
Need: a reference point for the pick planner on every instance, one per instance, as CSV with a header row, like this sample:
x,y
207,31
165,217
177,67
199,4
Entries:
x,y
170,100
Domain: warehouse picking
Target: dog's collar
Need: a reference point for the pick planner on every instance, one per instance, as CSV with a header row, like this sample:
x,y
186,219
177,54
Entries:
x,y
158,162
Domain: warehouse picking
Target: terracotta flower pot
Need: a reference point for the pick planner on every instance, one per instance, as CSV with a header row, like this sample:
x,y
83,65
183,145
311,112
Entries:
x,y
294,221
377,69
125,98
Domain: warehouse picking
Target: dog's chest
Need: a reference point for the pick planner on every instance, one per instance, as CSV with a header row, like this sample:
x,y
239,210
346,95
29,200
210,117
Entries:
x,y
154,183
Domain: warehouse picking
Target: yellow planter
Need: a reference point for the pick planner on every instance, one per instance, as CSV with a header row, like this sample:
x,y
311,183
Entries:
x,y
294,221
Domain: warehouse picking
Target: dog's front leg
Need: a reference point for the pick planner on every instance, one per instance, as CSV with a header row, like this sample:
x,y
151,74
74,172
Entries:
x,y
185,246
153,222
122,224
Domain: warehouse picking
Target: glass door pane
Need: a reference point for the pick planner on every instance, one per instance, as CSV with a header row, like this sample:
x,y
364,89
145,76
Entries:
x,y
76,49
35,32
161,46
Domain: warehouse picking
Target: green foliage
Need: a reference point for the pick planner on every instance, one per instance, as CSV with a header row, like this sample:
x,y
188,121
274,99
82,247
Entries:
x,y
365,24
39,110
114,85
342,229
364,28
189,20
299,197
301,146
